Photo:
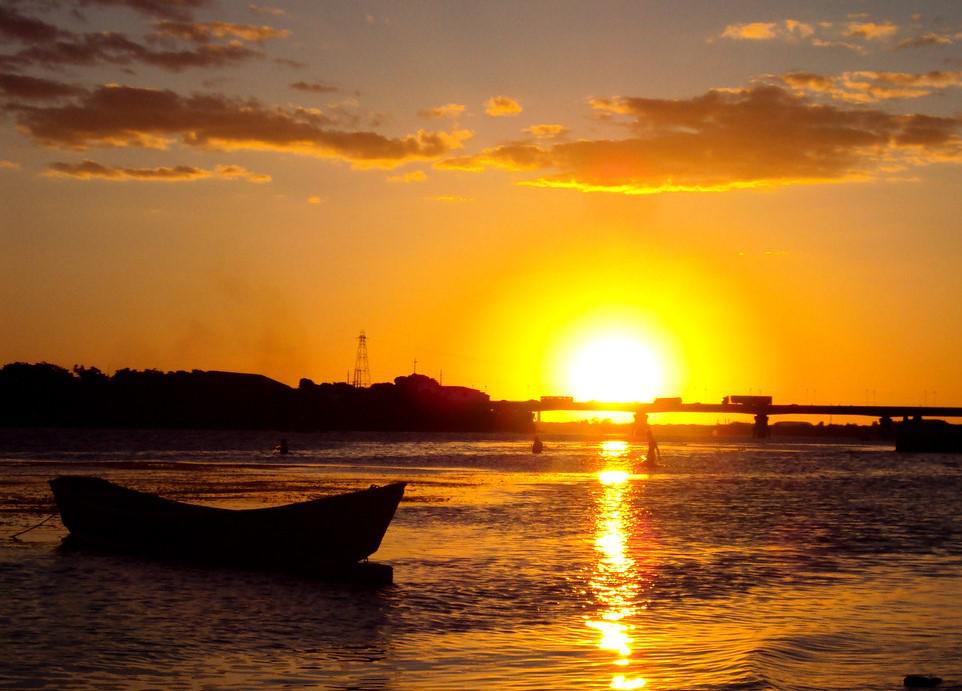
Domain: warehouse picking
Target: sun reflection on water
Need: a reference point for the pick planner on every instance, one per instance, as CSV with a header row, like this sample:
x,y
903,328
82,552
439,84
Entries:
x,y
615,583
613,477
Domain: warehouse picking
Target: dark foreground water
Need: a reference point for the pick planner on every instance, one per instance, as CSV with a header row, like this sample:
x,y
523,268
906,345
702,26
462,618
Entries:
x,y
732,567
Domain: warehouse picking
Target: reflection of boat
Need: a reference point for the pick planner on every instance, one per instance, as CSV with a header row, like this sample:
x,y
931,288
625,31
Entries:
x,y
318,536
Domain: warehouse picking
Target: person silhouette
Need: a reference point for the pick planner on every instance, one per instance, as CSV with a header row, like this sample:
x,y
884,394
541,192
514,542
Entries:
x,y
654,453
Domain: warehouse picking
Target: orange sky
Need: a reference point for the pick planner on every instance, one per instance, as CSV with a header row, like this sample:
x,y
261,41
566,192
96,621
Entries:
x,y
761,197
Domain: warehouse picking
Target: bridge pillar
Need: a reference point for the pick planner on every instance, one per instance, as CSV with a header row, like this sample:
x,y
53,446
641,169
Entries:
x,y
886,427
761,426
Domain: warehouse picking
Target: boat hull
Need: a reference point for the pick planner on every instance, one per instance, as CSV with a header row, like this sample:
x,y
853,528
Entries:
x,y
323,534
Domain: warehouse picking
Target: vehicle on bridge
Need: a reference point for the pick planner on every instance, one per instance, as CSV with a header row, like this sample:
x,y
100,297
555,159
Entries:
x,y
753,401
557,400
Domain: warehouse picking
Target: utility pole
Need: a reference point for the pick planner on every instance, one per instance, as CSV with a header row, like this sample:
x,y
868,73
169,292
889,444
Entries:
x,y
362,373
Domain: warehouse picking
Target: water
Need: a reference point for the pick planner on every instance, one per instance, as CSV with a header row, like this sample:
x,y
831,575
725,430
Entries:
x,y
731,567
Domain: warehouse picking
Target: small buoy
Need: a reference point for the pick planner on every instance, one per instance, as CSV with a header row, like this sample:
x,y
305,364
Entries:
x,y
921,681
537,446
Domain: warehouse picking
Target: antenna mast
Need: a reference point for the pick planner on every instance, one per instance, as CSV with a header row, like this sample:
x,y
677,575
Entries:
x,y
362,374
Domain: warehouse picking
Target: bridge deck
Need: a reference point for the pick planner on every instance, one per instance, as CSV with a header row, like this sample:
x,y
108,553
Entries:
x,y
877,411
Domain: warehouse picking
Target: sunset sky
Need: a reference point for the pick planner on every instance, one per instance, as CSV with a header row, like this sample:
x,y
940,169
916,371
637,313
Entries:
x,y
737,197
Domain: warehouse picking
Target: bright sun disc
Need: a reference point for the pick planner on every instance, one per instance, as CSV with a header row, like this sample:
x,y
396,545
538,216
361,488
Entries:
x,y
615,368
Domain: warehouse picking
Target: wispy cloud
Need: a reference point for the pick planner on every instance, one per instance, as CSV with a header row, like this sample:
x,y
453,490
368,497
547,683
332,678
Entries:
x,y
407,178
930,38
22,87
91,170
864,86
132,117
502,107
48,46
293,64
546,131
751,31
9,165
266,10
204,32
20,27
871,31
314,87
859,34
181,10
448,110
45,45
111,48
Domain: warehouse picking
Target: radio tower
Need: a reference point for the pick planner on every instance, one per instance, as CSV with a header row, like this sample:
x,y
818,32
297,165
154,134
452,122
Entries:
x,y
362,375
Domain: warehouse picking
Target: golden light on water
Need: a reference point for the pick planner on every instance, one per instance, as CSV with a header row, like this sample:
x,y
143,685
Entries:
x,y
615,583
613,450
613,477
619,682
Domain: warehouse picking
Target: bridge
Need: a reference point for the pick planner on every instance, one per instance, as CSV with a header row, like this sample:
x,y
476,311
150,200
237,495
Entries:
x,y
760,407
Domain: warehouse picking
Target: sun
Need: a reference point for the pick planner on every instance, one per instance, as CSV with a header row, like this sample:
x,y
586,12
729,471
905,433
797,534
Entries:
x,y
614,367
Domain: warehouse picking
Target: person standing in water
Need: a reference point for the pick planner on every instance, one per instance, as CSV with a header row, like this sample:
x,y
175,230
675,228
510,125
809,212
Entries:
x,y
654,453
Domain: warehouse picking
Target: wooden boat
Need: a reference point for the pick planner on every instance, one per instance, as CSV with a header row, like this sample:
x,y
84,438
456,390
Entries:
x,y
329,534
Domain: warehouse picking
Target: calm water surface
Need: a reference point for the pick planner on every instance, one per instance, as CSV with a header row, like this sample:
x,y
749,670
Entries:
x,y
731,567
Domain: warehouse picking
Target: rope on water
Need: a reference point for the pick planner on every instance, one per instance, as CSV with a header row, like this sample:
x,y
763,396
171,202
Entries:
x,y
22,532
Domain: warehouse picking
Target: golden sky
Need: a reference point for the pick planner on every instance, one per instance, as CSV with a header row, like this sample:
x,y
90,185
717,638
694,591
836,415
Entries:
x,y
692,198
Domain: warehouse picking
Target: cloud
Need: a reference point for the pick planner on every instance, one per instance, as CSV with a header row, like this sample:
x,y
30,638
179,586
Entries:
x,y
546,131
235,172
752,31
314,199
866,86
114,48
34,88
847,45
179,10
928,39
800,29
204,32
502,107
266,10
448,110
407,178
760,137
91,170
25,29
871,31
293,64
125,116
315,87
855,35
9,165
48,46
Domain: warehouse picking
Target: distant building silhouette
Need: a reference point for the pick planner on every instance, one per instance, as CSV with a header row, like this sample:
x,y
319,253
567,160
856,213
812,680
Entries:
x,y
47,395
